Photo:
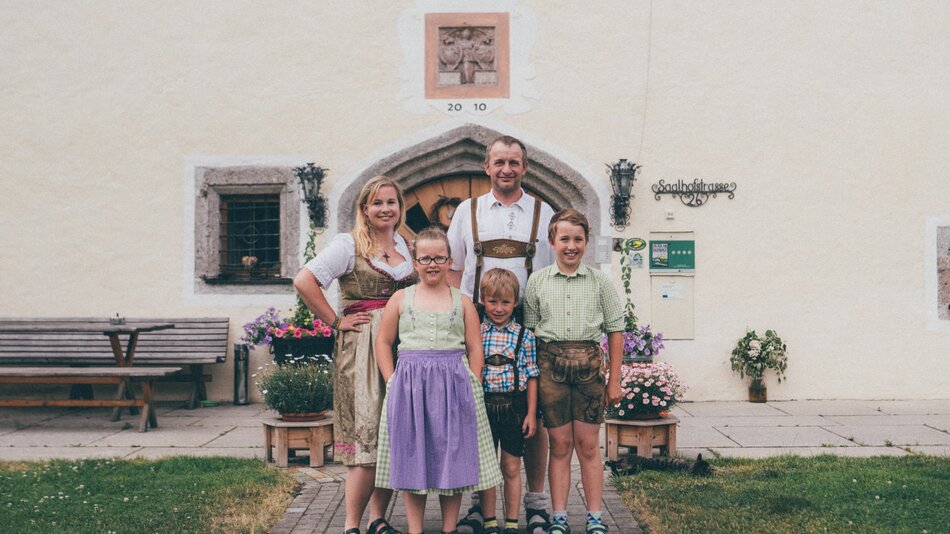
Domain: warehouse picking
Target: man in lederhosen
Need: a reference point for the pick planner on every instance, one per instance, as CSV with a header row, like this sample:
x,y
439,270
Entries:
x,y
501,229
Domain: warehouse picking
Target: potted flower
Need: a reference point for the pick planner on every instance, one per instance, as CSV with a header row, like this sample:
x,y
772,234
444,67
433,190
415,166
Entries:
x,y
300,390
753,355
649,390
296,336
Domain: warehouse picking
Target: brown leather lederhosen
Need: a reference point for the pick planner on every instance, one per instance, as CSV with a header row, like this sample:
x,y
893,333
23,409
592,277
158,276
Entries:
x,y
503,248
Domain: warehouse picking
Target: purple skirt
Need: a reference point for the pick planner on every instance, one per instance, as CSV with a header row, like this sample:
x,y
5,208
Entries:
x,y
430,410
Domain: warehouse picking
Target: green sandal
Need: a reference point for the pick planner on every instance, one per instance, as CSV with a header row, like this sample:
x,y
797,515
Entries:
x,y
596,528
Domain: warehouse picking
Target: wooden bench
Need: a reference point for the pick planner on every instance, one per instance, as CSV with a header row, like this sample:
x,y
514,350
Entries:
x,y
191,344
89,375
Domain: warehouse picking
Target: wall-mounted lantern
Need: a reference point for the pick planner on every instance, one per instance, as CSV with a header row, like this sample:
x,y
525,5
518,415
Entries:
x,y
622,175
311,178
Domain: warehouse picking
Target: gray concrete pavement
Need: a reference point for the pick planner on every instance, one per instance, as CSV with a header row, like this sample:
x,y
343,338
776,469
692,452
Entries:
x,y
739,429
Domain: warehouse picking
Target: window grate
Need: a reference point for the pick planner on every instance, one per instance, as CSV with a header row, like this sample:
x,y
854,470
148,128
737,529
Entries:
x,y
250,236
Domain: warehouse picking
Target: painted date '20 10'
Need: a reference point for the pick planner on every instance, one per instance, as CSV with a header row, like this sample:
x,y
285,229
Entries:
x,y
457,106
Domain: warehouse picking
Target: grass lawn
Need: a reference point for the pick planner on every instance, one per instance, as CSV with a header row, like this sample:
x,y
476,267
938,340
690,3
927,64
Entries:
x,y
795,494
180,494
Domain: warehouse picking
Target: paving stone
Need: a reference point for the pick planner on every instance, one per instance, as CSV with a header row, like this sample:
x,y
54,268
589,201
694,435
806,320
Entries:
x,y
186,436
702,436
35,454
728,409
827,407
765,420
936,406
895,434
36,436
227,421
941,422
804,436
932,450
239,437
766,452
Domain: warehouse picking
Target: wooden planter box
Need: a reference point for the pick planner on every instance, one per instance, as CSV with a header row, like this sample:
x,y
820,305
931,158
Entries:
x,y
284,436
644,435
305,346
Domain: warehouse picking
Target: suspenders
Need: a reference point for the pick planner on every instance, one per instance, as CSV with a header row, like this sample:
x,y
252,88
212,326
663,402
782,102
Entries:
x,y
503,248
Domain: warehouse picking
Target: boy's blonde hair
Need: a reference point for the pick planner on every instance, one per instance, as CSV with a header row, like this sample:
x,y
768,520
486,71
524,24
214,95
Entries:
x,y
568,215
364,237
498,282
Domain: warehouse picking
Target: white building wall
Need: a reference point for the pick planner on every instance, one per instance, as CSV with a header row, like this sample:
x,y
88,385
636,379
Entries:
x,y
831,118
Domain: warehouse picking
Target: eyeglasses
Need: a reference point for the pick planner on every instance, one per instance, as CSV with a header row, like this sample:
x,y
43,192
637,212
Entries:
x,y
438,260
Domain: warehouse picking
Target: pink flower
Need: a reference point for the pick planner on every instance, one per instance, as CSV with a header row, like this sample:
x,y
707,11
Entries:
x,y
621,412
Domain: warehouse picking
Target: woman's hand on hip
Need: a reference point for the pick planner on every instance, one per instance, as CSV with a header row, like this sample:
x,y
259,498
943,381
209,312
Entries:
x,y
352,322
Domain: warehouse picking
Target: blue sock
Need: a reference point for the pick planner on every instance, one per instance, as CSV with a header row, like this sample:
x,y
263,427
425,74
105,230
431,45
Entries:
x,y
594,518
559,516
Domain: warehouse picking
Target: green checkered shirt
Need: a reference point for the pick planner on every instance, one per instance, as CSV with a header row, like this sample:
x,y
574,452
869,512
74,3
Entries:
x,y
579,307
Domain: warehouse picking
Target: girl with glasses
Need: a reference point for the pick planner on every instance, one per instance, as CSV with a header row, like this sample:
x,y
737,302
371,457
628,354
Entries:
x,y
434,435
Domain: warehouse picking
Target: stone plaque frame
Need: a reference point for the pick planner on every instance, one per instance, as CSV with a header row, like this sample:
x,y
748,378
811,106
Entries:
x,y
501,88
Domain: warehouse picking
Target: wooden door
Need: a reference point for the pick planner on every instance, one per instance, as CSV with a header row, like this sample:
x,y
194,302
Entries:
x,y
435,201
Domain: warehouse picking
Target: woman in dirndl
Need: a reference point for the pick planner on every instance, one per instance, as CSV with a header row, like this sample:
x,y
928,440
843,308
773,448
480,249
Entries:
x,y
371,263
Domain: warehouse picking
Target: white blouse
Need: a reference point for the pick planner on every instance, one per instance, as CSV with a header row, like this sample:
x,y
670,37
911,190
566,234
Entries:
x,y
339,258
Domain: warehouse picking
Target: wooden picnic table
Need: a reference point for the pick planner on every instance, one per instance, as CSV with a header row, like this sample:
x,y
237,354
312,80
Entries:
x,y
124,357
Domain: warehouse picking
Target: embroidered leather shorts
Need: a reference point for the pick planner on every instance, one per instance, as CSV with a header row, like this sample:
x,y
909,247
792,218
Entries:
x,y
571,385
506,413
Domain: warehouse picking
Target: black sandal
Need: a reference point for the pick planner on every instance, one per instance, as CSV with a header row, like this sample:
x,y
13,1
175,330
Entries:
x,y
381,526
537,519
351,531
473,520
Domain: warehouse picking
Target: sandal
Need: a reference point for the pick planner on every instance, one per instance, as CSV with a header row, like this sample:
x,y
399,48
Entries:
x,y
559,528
381,526
596,528
537,519
351,531
472,523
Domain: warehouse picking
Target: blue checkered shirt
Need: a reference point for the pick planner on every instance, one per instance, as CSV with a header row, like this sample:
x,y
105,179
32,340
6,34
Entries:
x,y
502,340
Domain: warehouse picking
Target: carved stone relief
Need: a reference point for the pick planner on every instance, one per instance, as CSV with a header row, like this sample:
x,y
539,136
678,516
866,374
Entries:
x,y
467,55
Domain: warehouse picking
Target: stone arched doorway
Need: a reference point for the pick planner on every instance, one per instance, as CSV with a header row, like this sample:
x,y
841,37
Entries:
x,y
450,165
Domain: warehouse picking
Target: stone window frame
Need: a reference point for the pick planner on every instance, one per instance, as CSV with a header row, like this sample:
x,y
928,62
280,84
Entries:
x,y
213,181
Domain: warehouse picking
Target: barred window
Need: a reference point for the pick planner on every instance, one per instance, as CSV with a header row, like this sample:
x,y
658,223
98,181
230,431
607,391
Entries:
x,y
250,236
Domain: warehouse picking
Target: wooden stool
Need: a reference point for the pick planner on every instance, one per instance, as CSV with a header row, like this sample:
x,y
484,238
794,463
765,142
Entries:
x,y
287,436
644,435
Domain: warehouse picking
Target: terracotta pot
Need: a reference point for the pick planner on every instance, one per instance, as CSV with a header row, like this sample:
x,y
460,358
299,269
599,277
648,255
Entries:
x,y
757,391
304,417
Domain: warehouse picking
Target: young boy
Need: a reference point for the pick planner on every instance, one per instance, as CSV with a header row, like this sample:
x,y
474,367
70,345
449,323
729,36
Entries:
x,y
511,390
569,306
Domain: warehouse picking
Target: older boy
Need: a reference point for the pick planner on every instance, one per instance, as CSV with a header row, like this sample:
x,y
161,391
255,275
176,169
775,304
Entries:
x,y
511,390
570,306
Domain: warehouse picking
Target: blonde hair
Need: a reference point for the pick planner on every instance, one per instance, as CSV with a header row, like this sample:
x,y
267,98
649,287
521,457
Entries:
x,y
499,282
432,233
366,243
